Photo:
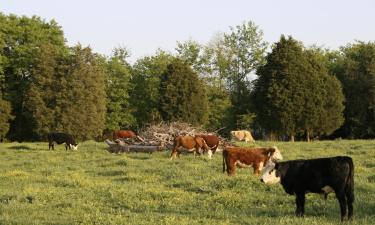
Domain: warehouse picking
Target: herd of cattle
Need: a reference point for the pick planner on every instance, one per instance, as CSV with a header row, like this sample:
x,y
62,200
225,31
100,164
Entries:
x,y
297,177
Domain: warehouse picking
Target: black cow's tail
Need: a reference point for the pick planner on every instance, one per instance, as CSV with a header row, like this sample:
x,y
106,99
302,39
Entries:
x,y
349,187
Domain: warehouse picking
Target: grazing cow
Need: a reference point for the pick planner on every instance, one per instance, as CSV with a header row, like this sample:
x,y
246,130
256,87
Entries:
x,y
192,144
212,141
123,134
323,175
242,135
60,138
247,157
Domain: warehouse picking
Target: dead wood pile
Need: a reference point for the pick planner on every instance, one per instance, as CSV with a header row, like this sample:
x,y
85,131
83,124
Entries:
x,y
159,136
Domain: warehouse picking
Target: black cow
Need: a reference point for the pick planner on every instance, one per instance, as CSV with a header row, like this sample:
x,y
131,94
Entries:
x,y
60,138
322,176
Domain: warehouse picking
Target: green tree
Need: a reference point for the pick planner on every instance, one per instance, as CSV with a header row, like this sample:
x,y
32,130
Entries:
x,y
292,95
83,104
182,95
119,110
354,66
21,38
5,117
201,58
244,51
145,82
41,106
325,103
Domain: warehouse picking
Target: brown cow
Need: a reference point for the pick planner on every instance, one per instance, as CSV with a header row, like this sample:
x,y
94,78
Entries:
x,y
192,144
212,141
123,134
247,157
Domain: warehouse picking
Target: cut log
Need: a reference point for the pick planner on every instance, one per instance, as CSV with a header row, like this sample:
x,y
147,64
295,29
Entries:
x,y
120,146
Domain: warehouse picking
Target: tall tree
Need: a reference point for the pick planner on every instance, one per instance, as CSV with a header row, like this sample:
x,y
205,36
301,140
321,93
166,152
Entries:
x,y
355,68
5,117
325,103
201,59
182,95
145,82
244,51
291,93
82,100
21,40
119,110
41,107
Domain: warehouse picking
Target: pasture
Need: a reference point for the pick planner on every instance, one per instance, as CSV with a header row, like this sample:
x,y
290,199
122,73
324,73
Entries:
x,y
92,186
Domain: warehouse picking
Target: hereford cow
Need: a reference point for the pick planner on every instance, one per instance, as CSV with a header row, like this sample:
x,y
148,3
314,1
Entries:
x,y
323,175
60,138
247,157
211,140
242,135
123,134
192,144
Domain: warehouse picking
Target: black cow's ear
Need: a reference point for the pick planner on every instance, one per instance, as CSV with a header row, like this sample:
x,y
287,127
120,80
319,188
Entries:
x,y
277,165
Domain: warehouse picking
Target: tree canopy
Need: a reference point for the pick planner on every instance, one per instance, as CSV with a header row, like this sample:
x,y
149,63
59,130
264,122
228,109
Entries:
x,y
291,94
182,95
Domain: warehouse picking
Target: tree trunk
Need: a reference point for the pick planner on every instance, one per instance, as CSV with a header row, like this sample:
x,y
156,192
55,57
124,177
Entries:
x,y
308,136
291,138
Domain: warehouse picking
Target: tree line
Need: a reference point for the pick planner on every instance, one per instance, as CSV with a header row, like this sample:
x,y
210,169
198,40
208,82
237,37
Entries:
x,y
282,91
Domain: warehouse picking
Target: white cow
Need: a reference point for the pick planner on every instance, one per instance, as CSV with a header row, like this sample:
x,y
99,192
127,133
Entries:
x,y
242,135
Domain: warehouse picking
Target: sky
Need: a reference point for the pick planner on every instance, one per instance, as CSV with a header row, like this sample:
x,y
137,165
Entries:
x,y
143,26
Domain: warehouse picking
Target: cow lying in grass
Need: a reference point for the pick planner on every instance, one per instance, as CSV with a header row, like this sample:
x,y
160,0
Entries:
x,y
242,135
248,157
323,175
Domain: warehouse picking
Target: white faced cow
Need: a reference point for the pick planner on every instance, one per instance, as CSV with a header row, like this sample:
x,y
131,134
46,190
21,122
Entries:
x,y
60,138
323,175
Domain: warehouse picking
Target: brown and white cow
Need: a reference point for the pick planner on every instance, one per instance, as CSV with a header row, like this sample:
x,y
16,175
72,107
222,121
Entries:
x,y
255,157
191,144
123,134
212,141
242,135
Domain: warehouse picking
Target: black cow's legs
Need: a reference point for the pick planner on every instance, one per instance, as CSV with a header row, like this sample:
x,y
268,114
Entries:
x,y
300,202
342,201
349,200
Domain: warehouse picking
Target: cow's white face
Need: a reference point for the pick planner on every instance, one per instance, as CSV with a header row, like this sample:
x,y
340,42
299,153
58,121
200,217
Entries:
x,y
276,155
269,174
74,147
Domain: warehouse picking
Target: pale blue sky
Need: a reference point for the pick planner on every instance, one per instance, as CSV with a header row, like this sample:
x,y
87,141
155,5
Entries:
x,y
143,26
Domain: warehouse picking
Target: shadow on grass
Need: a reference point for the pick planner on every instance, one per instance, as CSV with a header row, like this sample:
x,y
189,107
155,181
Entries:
x,y
20,147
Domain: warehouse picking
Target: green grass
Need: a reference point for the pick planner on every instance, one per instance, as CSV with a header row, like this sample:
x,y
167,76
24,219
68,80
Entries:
x,y
92,186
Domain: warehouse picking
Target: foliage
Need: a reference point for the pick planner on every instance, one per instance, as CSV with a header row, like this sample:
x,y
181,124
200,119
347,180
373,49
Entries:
x,y
355,68
244,51
119,109
41,107
182,95
21,38
145,82
5,117
295,94
92,186
202,60
83,105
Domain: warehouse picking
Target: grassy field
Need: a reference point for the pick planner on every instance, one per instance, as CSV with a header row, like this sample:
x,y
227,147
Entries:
x,y
92,186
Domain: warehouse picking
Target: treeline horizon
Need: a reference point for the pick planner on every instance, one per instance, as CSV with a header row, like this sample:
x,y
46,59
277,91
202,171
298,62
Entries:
x,y
279,91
